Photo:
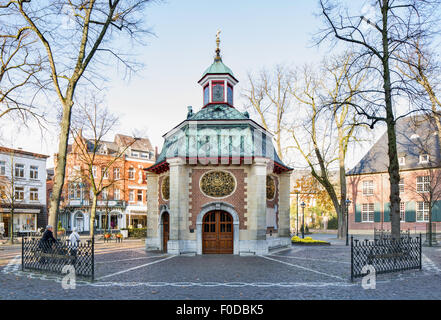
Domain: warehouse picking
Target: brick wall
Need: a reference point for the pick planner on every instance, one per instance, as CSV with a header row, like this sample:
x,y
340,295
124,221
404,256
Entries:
x,y
237,199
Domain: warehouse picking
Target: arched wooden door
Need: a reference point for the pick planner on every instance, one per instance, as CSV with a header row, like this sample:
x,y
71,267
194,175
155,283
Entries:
x,y
165,230
217,232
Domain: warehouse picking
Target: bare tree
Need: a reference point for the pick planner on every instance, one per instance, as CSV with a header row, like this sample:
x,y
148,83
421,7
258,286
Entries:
x,y
268,96
96,160
323,135
76,37
19,70
379,42
423,68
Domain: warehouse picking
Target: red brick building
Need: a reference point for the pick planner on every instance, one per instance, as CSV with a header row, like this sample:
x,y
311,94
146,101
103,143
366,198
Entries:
x,y
123,203
420,176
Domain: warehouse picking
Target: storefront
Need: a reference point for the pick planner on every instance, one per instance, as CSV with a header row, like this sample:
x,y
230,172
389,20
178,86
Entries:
x,y
24,220
137,220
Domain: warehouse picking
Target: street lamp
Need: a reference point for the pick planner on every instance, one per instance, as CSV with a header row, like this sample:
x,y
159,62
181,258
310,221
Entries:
x,y
303,205
348,202
297,223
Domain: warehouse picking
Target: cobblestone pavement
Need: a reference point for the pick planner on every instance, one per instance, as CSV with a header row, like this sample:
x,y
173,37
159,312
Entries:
x,y
126,271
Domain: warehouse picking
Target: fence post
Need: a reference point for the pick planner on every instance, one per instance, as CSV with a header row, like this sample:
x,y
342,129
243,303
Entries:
x,y
352,258
421,265
22,253
93,257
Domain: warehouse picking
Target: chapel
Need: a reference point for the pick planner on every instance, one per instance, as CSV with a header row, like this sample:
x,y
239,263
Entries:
x,y
218,185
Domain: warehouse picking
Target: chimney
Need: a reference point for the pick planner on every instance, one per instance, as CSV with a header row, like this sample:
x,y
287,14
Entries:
x,y
156,153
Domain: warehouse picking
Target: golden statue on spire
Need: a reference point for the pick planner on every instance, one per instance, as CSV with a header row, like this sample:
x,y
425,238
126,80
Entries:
x,y
217,38
217,58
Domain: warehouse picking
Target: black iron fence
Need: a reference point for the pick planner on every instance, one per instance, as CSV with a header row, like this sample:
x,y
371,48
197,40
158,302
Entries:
x,y
380,234
431,234
52,257
385,255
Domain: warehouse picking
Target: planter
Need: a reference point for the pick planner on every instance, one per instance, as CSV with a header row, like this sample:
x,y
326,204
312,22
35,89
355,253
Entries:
x,y
125,233
311,243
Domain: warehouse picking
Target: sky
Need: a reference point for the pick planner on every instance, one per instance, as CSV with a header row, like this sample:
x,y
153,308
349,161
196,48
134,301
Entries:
x,y
254,35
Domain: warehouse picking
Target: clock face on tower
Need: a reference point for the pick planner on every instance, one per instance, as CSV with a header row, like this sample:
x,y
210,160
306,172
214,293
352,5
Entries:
x,y
218,93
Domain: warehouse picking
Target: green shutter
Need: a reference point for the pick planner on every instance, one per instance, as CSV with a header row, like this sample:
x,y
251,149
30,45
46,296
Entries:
x,y
387,212
436,212
411,211
358,213
377,212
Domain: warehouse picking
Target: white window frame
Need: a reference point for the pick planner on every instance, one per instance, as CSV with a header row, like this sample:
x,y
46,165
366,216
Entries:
x,y
116,173
33,194
422,211
19,194
2,168
402,211
137,194
132,195
368,187
367,212
33,172
132,173
424,184
20,170
116,194
105,194
105,172
424,158
402,161
401,185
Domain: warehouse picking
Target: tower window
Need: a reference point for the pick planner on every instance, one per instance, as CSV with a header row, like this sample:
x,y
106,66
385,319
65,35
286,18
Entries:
x,y
218,91
206,94
230,94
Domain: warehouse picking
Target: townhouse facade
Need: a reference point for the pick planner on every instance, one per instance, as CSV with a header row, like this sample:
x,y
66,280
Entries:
x,y
22,191
120,166
420,180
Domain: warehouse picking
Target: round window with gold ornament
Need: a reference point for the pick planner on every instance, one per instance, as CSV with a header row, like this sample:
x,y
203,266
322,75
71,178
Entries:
x,y
217,184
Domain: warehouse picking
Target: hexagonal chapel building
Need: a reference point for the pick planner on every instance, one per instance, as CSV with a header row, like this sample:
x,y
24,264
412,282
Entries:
x,y
218,185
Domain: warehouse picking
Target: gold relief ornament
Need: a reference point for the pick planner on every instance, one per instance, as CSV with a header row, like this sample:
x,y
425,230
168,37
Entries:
x,y
270,187
217,184
166,188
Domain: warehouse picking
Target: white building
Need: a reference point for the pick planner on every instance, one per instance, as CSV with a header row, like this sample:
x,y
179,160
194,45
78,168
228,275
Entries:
x,y
23,188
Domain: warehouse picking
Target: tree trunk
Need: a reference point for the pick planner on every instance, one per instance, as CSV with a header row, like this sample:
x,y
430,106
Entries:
x,y
92,216
11,234
341,158
394,173
61,165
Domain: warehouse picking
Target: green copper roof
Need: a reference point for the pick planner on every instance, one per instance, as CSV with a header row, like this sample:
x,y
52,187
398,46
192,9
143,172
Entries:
x,y
218,67
218,112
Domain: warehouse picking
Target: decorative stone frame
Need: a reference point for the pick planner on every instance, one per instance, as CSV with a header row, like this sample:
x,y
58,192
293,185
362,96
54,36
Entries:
x,y
217,206
161,187
215,170
275,181
163,208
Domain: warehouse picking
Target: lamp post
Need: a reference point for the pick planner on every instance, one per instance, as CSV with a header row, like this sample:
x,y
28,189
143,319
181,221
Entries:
x,y
303,205
348,202
297,223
